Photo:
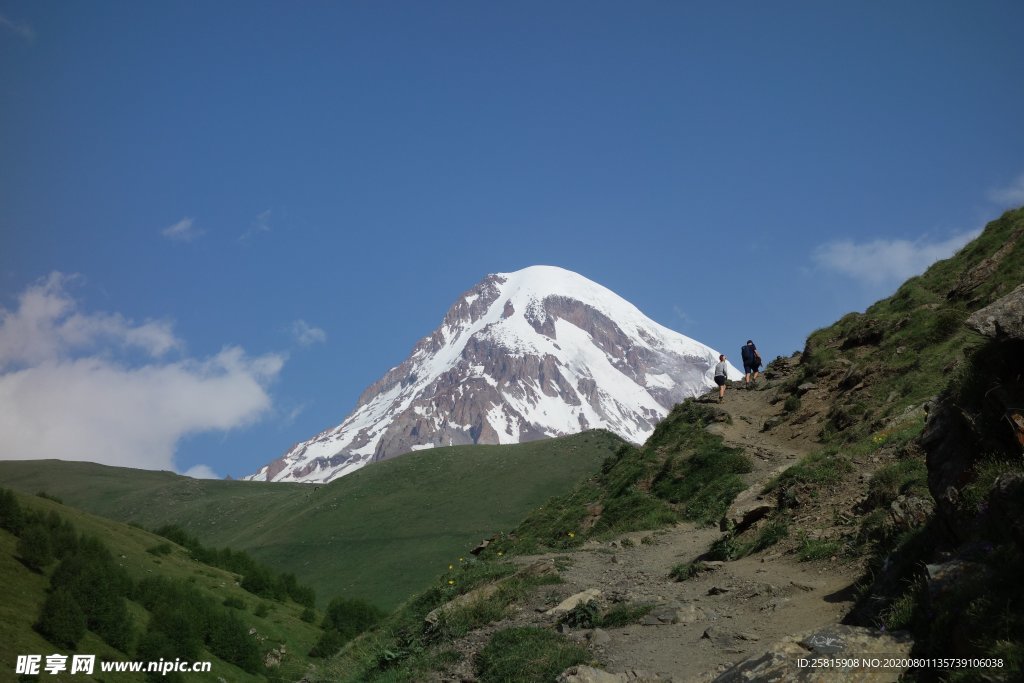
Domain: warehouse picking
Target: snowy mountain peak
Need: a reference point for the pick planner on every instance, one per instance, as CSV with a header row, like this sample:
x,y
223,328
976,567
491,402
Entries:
x,y
536,353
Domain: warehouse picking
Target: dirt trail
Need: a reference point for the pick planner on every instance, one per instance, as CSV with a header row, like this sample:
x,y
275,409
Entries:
x,y
704,624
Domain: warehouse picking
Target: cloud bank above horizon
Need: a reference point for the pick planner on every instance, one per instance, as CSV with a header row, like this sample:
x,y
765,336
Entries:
x,y
96,386
882,262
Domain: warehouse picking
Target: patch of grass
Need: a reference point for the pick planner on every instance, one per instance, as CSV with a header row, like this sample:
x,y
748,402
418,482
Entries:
x,y
974,496
820,470
234,601
729,547
792,404
589,615
688,570
770,534
623,614
900,614
160,549
904,477
527,655
816,549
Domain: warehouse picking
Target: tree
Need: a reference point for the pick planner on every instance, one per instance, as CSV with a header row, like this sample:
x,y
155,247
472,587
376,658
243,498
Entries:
x,y
34,547
62,620
11,516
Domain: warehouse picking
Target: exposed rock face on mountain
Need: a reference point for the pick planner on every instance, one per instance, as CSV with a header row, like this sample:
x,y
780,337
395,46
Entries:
x,y
521,356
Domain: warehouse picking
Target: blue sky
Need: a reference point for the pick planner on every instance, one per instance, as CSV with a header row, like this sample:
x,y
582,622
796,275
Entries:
x,y
221,221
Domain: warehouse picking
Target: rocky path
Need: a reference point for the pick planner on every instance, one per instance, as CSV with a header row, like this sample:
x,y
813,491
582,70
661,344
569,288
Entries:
x,y
701,626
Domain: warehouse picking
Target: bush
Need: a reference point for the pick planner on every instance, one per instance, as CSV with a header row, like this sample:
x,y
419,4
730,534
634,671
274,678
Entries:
x,y
352,616
328,645
583,615
792,404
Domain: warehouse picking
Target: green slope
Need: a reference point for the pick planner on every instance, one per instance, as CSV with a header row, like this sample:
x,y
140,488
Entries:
x,y
381,533
25,591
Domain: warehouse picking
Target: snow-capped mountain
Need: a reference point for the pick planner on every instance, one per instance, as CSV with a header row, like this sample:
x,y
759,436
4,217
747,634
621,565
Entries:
x,y
527,355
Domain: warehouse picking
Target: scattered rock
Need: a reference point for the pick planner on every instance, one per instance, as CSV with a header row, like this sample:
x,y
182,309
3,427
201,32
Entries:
x,y
944,577
690,614
599,637
582,597
805,387
475,595
717,428
780,662
742,518
808,587
545,567
1007,505
909,512
588,674
869,333
771,423
719,590
272,660
731,641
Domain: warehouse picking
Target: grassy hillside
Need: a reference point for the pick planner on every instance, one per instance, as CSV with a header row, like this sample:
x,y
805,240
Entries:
x,y
904,349
380,534
26,589
682,472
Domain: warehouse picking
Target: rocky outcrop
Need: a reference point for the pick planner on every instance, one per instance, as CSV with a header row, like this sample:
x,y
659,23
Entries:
x,y
782,661
581,598
974,278
1003,319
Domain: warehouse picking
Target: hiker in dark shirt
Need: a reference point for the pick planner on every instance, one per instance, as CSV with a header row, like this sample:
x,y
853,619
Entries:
x,y
751,362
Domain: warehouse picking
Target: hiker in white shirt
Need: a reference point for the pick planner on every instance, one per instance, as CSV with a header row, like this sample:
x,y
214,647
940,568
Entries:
x,y
721,376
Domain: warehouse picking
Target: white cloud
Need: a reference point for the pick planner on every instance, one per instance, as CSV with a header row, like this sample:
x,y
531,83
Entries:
x,y
182,231
1011,195
307,335
883,262
64,392
48,326
23,30
201,472
260,225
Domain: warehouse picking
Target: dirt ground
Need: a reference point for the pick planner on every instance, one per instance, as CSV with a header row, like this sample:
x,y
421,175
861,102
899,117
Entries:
x,y
705,624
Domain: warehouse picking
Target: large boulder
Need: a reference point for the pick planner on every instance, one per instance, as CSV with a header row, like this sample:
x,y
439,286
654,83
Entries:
x,y
1003,318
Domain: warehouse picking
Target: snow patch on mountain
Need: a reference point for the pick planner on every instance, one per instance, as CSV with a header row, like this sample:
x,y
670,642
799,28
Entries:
x,y
536,353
